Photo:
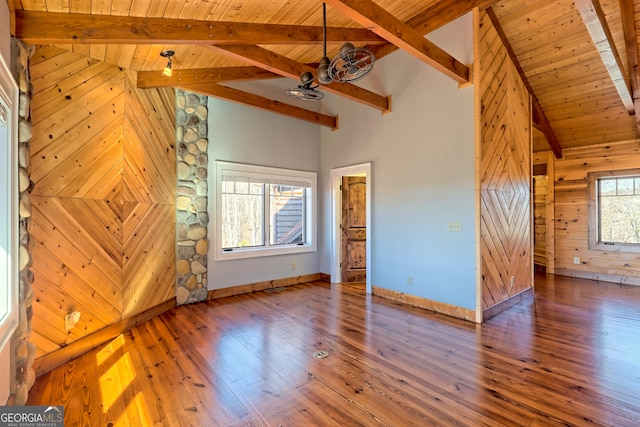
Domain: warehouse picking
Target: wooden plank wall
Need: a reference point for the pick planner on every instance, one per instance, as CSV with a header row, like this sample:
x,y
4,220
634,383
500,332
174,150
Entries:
x,y
571,213
505,172
103,177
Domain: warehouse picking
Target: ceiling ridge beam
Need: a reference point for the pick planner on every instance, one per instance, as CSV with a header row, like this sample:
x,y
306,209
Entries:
x,y
596,23
539,117
74,28
256,101
370,15
279,64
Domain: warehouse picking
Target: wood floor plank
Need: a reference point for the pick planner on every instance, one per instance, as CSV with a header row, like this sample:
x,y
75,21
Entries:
x,y
567,356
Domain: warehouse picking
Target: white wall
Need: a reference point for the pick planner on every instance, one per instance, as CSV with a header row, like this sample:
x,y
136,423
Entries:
x,y
423,173
242,134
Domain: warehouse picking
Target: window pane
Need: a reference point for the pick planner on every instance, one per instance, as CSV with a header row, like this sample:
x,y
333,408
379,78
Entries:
x,y
242,220
256,188
287,214
263,211
607,187
625,186
619,219
242,187
5,222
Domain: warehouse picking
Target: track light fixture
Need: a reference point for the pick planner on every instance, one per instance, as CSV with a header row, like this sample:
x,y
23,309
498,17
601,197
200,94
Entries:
x,y
167,69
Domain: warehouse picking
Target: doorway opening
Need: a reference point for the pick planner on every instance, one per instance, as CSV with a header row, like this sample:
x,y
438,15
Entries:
x,y
337,248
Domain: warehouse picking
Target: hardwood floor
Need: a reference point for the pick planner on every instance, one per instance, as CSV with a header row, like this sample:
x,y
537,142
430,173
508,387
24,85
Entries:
x,y
568,356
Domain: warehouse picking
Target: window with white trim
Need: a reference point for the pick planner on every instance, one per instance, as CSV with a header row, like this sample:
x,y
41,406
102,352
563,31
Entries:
x,y
8,211
614,210
262,211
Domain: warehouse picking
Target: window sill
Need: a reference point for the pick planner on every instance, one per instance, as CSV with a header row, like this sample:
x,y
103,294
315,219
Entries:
x,y
634,249
242,253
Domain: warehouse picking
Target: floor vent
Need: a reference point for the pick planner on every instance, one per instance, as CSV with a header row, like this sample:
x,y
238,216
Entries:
x,y
278,289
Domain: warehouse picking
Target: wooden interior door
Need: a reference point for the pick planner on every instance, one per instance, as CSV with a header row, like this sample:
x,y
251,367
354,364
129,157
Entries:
x,y
354,229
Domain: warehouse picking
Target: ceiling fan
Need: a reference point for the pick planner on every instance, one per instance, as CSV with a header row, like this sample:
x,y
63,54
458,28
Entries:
x,y
306,90
351,64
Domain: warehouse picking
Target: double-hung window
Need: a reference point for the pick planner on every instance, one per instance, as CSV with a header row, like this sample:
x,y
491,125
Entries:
x,y
262,211
614,210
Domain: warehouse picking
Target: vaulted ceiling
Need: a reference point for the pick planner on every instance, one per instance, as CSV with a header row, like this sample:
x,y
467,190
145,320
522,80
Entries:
x,y
579,58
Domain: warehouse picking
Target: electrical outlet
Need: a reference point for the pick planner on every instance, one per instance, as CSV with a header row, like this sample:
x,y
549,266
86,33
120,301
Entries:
x,y
70,320
294,265
513,281
410,280
576,260
455,226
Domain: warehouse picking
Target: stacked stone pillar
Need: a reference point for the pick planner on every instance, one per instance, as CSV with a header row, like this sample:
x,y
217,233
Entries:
x,y
192,214
23,351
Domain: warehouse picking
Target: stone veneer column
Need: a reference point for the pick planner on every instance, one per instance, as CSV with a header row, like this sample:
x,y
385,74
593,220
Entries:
x,y
192,214
23,352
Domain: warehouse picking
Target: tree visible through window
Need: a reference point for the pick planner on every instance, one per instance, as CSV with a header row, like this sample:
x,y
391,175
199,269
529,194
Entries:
x,y
619,210
614,210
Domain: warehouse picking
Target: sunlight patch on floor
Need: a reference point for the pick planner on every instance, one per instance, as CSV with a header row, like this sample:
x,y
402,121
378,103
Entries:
x,y
116,386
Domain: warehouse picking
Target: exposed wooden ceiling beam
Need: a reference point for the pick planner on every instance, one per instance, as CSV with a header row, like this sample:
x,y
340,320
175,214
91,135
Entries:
x,y
151,79
433,18
539,117
75,28
425,22
286,67
596,23
245,98
381,22
631,43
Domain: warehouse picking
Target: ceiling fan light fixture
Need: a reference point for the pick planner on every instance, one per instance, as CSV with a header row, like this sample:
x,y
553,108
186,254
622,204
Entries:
x,y
306,90
307,79
167,71
323,71
351,64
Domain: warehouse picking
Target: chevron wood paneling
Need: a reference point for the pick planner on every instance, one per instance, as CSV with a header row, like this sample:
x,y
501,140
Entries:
x,y
103,173
150,177
505,170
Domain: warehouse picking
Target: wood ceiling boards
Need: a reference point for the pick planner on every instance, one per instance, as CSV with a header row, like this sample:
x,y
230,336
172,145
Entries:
x,y
218,41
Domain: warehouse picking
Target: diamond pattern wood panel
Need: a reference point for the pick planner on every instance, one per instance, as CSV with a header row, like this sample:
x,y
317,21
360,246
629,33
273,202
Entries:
x,y
103,176
505,170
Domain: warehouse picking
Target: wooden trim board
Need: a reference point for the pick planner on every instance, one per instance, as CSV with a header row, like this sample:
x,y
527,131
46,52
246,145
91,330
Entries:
x,y
504,305
261,286
601,277
438,307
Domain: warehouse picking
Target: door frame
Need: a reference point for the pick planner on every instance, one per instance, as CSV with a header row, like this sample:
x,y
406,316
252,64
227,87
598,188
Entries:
x,y
336,217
